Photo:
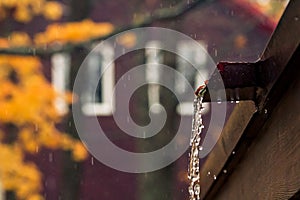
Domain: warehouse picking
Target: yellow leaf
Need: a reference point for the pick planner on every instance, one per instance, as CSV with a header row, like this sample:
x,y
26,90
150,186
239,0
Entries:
x,y
128,40
52,10
19,39
79,152
22,14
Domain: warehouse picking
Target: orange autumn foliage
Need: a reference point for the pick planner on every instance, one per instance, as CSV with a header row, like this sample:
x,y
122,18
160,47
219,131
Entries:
x,y
61,33
23,178
27,98
72,32
23,11
27,103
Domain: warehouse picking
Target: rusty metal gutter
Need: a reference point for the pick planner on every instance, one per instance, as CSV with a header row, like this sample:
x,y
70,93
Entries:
x,y
260,86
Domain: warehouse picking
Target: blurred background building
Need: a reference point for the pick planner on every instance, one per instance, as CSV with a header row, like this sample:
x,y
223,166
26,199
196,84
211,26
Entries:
x,y
230,30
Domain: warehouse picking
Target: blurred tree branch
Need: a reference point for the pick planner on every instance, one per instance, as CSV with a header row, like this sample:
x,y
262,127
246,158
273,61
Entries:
x,y
159,14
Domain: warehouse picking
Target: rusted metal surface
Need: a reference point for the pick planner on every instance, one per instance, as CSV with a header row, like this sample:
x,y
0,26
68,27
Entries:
x,y
263,74
268,80
266,166
241,80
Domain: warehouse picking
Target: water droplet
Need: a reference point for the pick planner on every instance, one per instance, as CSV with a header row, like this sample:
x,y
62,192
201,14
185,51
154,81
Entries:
x,y
266,111
92,160
208,173
197,189
219,100
237,95
233,152
296,18
191,191
50,157
224,171
215,177
216,52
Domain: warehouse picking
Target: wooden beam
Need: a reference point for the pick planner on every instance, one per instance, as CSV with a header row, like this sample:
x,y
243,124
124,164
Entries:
x,y
224,148
270,167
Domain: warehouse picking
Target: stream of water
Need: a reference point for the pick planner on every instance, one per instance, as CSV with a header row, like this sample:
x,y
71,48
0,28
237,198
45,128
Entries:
x,y
195,148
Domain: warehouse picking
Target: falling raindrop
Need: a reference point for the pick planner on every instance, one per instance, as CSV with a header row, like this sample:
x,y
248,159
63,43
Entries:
x,y
266,111
296,18
224,171
50,157
216,52
215,177
92,160
233,152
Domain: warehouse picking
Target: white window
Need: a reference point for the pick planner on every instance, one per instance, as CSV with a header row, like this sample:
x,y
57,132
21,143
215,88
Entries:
x,y
196,75
60,79
154,59
102,103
